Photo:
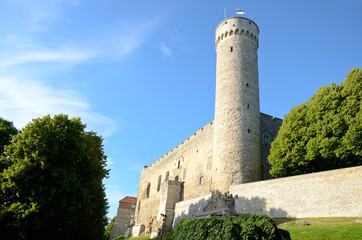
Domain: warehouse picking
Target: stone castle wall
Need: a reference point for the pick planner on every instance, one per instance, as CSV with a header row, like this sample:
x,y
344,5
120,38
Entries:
x,y
335,193
183,173
269,127
188,164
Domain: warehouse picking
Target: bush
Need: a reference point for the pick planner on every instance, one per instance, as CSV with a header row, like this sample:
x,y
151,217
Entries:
x,y
165,236
109,229
119,238
248,226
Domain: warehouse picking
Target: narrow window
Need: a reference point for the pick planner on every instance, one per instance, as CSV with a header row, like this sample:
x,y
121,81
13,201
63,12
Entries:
x,y
201,180
167,174
178,165
182,191
247,85
176,178
159,183
248,106
231,49
248,130
266,139
148,190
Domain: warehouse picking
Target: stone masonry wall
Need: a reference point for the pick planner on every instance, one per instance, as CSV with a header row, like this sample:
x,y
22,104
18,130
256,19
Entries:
x,y
237,113
336,193
189,164
269,127
125,214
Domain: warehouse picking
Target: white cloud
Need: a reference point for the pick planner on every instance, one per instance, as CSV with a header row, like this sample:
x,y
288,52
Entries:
x,y
35,54
165,49
23,100
114,194
129,36
38,14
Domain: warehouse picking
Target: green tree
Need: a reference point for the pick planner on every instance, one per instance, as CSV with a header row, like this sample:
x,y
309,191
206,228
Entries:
x,y
109,229
52,187
322,134
7,131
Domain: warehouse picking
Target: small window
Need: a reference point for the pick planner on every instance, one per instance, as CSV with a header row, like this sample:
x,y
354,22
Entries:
x,y
248,106
178,165
266,139
176,178
182,191
247,85
201,180
133,205
132,215
159,183
248,130
231,49
148,190
167,175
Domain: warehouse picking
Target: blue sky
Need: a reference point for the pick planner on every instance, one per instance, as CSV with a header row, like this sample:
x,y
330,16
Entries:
x,y
142,73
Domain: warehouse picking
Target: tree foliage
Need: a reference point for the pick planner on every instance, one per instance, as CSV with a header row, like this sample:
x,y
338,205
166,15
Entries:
x,y
322,134
109,229
7,131
52,187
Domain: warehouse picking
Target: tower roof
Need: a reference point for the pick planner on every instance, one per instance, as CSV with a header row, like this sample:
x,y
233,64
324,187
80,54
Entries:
x,y
129,199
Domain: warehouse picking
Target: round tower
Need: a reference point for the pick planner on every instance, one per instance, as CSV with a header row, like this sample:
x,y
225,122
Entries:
x,y
237,153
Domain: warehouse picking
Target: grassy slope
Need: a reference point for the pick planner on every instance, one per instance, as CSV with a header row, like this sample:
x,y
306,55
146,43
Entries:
x,y
322,228
316,228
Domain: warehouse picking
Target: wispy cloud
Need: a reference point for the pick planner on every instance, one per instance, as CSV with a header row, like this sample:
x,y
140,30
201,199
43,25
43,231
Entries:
x,y
131,35
23,100
28,64
38,14
165,49
65,55
114,194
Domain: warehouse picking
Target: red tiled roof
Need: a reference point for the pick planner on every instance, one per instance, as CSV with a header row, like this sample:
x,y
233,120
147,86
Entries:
x,y
129,199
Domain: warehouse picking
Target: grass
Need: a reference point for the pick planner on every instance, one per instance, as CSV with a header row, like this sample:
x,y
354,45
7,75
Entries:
x,y
139,238
312,228
322,228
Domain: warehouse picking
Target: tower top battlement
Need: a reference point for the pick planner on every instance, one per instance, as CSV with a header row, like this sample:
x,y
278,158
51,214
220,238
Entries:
x,y
236,26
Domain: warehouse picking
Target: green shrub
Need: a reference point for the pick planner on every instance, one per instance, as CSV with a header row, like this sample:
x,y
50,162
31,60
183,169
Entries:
x,y
107,233
165,236
119,237
246,227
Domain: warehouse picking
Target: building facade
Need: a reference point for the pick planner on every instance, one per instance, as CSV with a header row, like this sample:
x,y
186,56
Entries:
x,y
125,215
228,151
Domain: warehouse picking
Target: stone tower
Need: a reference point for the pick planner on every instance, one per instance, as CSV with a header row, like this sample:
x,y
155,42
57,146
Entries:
x,y
237,153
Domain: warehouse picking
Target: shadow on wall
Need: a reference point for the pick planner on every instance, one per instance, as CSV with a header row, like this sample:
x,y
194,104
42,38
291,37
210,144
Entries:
x,y
257,205
226,204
